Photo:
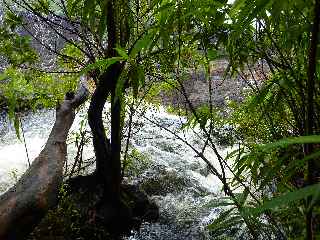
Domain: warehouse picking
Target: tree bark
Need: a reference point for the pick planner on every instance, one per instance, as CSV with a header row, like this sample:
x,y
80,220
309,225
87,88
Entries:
x,y
107,151
23,205
108,169
116,143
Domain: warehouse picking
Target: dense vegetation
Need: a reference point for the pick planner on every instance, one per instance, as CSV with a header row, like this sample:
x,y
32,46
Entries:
x,y
132,50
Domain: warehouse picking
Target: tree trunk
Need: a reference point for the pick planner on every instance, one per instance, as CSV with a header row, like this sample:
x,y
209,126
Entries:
x,y
108,170
23,206
116,142
108,164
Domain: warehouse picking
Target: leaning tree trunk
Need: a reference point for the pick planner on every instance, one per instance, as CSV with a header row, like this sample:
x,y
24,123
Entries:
x,y
23,206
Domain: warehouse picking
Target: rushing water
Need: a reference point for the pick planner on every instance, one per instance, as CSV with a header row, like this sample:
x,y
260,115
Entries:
x,y
173,177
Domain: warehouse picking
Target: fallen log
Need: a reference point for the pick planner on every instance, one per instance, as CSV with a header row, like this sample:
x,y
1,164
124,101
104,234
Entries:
x,y
23,205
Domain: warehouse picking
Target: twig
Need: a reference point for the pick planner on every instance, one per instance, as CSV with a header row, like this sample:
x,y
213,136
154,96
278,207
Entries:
x,y
25,144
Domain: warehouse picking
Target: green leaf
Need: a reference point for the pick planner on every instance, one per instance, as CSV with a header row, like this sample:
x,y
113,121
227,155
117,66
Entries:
x,y
12,20
287,198
164,7
88,9
220,202
122,53
137,78
212,54
120,85
43,6
3,77
237,5
142,43
261,96
289,141
227,219
259,6
102,64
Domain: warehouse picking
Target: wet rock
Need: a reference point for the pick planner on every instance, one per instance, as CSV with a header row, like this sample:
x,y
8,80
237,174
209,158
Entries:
x,y
142,208
163,182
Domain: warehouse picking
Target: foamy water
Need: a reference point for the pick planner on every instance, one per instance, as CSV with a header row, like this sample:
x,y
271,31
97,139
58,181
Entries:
x,y
187,186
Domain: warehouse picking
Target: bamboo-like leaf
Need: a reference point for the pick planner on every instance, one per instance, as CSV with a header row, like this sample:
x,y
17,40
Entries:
x,y
102,64
122,52
164,7
226,219
220,202
141,75
3,77
142,43
259,98
248,15
289,141
88,8
287,198
42,6
120,85
12,20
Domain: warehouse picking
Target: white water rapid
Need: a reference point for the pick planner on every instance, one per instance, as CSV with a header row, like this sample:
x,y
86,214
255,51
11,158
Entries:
x,y
174,178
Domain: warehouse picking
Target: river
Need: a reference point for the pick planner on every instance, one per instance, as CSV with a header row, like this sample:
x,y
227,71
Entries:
x,y
173,177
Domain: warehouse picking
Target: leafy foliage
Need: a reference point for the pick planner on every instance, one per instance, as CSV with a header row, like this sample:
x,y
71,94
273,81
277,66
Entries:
x,y
159,44
14,47
136,163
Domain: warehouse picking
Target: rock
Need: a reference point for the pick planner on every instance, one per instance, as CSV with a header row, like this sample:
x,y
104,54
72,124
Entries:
x,y
143,209
162,182
134,208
